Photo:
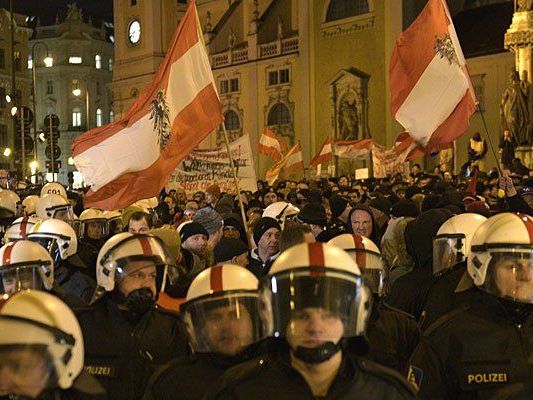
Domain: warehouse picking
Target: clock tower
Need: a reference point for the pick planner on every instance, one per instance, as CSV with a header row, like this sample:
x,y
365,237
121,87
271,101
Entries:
x,y
143,31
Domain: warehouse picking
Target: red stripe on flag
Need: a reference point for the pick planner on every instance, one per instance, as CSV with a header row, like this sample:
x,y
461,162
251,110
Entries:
x,y
414,51
360,254
6,258
528,224
316,257
216,278
128,188
145,245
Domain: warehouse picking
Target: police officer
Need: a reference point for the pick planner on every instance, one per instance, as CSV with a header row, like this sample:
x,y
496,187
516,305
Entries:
x,y
41,350
451,248
478,350
392,334
314,297
126,335
222,316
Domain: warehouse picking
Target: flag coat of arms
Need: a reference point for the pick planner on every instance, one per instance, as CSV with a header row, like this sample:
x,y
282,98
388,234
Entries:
x,y
133,158
431,92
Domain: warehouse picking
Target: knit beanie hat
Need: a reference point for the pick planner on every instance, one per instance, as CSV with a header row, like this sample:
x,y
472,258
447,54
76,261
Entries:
x,y
228,248
209,219
263,225
314,214
189,229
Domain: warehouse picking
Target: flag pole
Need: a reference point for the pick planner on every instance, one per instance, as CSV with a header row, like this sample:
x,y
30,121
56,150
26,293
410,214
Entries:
x,y
236,181
489,140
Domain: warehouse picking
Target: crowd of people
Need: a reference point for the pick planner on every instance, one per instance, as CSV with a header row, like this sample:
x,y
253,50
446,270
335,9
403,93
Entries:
x,y
405,287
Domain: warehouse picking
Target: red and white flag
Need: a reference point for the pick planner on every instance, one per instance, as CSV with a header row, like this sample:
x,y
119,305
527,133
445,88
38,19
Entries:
x,y
431,92
270,145
133,158
324,155
353,149
290,164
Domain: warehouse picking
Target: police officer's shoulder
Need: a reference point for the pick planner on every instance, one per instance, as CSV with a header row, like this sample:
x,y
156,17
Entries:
x,y
165,311
390,375
447,319
238,374
165,372
388,308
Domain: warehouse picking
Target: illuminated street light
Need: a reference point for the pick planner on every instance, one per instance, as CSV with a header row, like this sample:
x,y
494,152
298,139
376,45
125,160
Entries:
x,y
7,152
48,61
76,92
33,167
42,137
70,161
8,98
13,111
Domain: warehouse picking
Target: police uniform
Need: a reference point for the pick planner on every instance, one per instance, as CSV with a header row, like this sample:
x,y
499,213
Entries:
x,y
393,336
122,352
272,377
192,376
474,352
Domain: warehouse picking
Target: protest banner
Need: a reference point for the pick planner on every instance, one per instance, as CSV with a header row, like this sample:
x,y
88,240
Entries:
x,y
388,161
204,167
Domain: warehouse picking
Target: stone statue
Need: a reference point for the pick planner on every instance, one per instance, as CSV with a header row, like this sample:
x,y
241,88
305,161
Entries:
x,y
348,120
514,111
525,5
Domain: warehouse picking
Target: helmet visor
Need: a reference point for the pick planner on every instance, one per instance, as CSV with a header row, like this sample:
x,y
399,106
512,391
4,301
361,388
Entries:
x,y
298,299
377,280
373,269
76,225
94,229
16,278
225,325
49,243
115,226
447,252
510,275
33,355
62,212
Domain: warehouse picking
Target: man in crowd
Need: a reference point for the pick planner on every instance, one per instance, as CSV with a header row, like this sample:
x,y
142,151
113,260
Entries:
x,y
266,236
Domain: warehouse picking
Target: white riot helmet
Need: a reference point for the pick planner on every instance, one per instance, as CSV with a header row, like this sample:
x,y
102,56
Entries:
x,y
501,257
126,254
54,206
57,237
20,228
315,278
39,322
54,188
367,257
281,211
25,265
93,224
222,311
10,204
451,246
114,222
29,204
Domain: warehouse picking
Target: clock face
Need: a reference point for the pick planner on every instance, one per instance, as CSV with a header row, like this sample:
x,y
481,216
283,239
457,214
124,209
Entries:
x,y
134,31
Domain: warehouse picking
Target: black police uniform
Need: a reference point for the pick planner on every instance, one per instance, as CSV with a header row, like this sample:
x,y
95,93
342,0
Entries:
x,y
122,352
392,335
273,377
192,376
475,351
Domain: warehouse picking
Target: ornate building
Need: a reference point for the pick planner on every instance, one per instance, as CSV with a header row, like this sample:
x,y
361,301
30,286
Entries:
x,y
76,87
22,80
306,69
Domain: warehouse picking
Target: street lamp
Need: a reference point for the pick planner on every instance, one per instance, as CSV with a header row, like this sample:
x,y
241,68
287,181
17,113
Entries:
x,y
48,62
7,152
70,161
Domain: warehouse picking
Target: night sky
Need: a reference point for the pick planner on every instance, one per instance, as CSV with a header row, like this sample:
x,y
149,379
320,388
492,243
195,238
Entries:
x,y
47,9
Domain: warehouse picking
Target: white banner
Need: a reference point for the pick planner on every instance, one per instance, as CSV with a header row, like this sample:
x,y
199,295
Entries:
x,y
388,162
204,167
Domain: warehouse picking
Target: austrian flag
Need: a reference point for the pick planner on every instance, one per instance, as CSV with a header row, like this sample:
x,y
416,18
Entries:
x,y
431,92
271,145
133,158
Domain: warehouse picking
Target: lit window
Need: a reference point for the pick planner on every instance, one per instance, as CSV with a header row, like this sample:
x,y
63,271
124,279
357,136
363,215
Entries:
x,y
111,116
99,117
98,61
30,62
74,60
111,64
76,117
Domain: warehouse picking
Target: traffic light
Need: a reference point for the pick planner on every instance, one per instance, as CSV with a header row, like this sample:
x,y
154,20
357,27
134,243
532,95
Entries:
x,y
52,150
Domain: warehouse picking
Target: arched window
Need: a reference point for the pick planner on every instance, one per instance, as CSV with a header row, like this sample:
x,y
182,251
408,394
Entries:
x,y
231,121
76,117
341,9
279,115
99,121
111,116
98,61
